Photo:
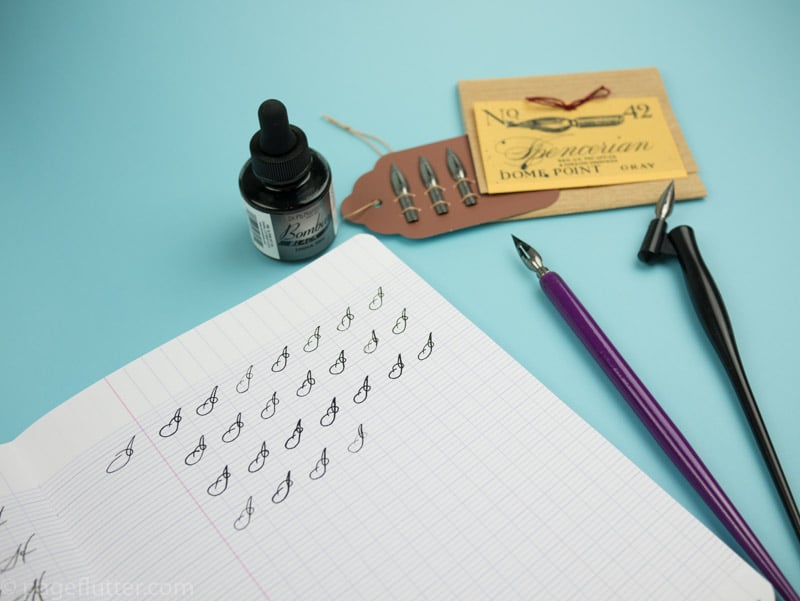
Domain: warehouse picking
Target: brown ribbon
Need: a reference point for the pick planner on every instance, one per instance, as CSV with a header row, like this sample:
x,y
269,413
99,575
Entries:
x,y
600,92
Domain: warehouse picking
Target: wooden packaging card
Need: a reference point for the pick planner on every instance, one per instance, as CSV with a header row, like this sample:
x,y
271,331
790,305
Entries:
x,y
511,117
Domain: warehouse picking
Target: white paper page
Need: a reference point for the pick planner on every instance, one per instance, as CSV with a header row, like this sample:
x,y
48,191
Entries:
x,y
38,556
448,472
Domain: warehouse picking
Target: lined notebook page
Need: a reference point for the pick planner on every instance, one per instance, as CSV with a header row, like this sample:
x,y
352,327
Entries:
x,y
344,434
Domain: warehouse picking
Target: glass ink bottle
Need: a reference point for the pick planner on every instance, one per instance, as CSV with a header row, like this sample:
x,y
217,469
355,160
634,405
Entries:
x,y
287,190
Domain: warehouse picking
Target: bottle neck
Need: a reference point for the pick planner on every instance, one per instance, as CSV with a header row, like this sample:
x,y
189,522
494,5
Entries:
x,y
284,186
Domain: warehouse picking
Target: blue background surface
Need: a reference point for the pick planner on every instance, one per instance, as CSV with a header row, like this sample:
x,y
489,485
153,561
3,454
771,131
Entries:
x,y
123,126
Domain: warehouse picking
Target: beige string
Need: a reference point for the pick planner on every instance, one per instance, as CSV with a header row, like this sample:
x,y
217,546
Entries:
x,y
438,202
368,139
410,196
470,194
373,203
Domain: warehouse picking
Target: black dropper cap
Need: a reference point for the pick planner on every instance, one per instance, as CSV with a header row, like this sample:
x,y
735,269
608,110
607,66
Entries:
x,y
279,150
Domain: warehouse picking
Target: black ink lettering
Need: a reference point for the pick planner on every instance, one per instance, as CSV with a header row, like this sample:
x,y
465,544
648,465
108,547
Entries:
x,y
362,393
207,406
18,557
358,442
427,349
197,454
321,467
257,463
294,439
35,592
307,384
313,341
330,414
397,368
244,384
2,521
338,366
377,302
171,427
232,433
283,489
269,409
347,319
120,460
243,521
372,345
220,485
400,325
280,362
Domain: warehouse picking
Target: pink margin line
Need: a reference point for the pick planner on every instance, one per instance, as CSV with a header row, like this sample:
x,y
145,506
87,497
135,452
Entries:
x,y
189,493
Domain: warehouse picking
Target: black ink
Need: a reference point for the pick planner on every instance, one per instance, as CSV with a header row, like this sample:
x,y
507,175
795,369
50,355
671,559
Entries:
x,y
283,489
257,463
397,368
18,557
2,521
427,349
269,409
307,384
171,427
207,406
35,592
358,442
377,302
313,341
294,439
280,362
220,485
330,414
232,433
197,454
321,467
372,345
361,396
338,366
244,384
347,319
243,521
400,325
120,460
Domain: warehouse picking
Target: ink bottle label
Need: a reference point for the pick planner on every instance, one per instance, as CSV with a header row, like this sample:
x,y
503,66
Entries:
x,y
297,235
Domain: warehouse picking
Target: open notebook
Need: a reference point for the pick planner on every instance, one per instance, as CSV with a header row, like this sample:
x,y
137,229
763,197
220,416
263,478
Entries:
x,y
345,434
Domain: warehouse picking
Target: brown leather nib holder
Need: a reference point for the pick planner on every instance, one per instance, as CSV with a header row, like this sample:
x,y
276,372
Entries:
x,y
373,202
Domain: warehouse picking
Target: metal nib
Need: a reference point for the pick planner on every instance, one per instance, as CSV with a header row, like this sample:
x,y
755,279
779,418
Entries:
x,y
530,257
454,165
399,183
459,175
432,187
656,243
665,202
404,197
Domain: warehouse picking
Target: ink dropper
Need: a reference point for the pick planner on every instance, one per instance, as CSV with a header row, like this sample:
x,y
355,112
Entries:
x,y
652,415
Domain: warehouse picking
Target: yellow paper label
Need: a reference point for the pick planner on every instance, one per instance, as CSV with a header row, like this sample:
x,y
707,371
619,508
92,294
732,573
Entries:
x,y
527,146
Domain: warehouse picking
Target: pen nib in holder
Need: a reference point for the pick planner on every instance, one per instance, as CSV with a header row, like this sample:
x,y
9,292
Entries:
x,y
680,242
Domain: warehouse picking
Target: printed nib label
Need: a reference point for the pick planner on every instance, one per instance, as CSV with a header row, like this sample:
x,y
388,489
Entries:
x,y
294,236
526,147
